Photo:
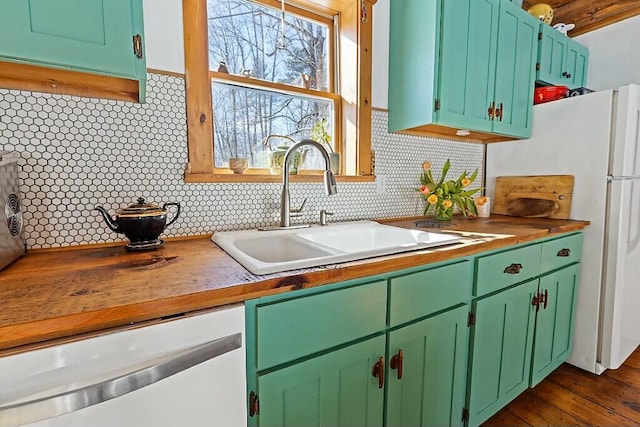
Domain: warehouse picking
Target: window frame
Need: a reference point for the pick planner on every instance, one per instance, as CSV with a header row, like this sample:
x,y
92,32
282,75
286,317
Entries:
x,y
350,78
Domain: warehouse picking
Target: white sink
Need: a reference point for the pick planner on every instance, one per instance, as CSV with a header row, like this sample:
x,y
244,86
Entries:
x,y
264,252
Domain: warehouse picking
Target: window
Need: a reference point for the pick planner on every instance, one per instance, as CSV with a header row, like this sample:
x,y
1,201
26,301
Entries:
x,y
256,82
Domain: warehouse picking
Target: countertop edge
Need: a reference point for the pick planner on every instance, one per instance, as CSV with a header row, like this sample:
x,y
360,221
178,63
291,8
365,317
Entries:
x,y
14,336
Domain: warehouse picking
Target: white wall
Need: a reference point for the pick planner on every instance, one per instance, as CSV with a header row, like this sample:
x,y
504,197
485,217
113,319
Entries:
x,y
163,34
380,55
614,54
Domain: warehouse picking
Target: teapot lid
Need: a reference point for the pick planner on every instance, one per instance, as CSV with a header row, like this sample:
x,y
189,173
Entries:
x,y
141,209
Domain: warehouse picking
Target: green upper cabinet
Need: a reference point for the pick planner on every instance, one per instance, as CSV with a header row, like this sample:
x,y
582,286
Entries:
x,y
561,60
467,70
515,71
333,390
426,382
462,65
94,36
555,322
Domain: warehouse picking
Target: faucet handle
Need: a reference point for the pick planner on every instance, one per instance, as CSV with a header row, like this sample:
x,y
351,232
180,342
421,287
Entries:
x,y
323,216
297,212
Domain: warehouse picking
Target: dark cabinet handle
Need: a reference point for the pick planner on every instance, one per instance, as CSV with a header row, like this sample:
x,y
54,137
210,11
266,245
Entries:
x,y
254,404
545,299
565,74
499,111
513,269
396,362
535,301
564,252
491,111
378,371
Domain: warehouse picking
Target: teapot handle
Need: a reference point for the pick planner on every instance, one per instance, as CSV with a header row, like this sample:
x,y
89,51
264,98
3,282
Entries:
x,y
164,207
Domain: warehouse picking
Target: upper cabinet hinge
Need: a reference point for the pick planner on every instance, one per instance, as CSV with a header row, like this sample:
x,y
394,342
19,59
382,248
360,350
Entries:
x,y
471,319
437,104
537,66
254,404
137,46
465,414
540,35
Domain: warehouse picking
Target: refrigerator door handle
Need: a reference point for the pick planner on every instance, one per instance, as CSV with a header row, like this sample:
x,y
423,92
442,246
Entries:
x,y
622,178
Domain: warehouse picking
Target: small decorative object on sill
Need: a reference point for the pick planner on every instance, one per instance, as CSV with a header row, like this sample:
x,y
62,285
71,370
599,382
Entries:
x,y
246,73
222,67
238,164
320,133
441,196
305,80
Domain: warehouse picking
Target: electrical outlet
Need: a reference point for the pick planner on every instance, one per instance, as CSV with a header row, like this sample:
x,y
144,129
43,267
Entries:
x,y
381,184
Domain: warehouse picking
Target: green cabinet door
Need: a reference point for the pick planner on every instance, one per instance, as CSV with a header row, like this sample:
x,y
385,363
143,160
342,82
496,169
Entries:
x,y
86,35
555,322
552,53
335,389
515,71
501,350
431,389
467,63
576,65
562,61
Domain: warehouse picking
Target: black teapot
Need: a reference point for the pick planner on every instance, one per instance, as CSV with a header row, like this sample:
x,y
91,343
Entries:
x,y
141,222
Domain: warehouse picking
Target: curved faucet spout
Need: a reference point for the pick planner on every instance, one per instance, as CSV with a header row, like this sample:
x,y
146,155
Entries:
x,y
329,179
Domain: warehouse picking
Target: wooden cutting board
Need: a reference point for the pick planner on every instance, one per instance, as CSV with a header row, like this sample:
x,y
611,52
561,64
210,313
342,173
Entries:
x,y
543,196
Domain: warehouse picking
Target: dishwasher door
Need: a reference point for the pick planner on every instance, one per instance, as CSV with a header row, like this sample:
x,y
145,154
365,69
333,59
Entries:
x,y
189,371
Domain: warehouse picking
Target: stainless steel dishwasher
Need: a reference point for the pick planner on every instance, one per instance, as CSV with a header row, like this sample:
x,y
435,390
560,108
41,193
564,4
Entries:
x,y
189,371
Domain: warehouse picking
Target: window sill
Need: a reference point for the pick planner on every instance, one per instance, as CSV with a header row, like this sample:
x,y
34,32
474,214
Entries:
x,y
191,178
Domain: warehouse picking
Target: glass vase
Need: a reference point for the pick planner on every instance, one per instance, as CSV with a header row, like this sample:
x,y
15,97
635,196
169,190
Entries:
x,y
442,213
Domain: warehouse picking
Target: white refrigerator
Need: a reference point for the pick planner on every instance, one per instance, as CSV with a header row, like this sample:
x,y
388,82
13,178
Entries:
x,y
596,138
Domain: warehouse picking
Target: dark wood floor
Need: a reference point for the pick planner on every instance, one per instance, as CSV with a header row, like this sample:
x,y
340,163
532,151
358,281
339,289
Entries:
x,y
573,397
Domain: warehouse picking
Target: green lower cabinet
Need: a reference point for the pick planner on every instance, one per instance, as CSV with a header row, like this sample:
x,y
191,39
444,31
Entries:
x,y
334,389
501,349
426,382
555,322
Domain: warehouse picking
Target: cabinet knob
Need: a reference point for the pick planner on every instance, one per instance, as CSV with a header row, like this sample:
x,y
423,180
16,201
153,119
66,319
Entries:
x,y
499,111
396,362
564,252
513,269
491,111
565,74
378,371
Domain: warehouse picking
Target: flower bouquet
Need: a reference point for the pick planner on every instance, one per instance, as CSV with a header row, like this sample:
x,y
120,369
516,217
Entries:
x,y
442,195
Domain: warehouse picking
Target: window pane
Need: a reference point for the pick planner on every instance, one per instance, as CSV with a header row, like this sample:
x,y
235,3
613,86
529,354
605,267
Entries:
x,y
244,117
248,36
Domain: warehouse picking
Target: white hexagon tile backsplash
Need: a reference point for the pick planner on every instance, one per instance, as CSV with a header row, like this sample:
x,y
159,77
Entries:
x,y
79,153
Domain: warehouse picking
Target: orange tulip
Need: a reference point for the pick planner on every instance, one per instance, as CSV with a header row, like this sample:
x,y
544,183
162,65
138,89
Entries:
x,y
481,201
426,166
432,199
425,190
466,182
447,204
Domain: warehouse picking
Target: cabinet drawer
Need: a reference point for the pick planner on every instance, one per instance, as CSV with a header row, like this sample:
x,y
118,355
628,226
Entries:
x,y
506,268
560,252
420,294
292,329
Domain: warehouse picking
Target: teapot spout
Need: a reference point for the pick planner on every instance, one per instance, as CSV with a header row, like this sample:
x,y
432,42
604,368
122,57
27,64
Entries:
x,y
110,222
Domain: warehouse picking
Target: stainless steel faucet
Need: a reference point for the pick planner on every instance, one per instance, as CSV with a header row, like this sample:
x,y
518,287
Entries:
x,y
329,179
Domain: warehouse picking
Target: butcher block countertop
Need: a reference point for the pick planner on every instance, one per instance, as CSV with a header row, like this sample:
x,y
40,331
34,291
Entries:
x,y
63,293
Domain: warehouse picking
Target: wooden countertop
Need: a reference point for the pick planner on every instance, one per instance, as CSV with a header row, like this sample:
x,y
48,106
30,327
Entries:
x,y
56,294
